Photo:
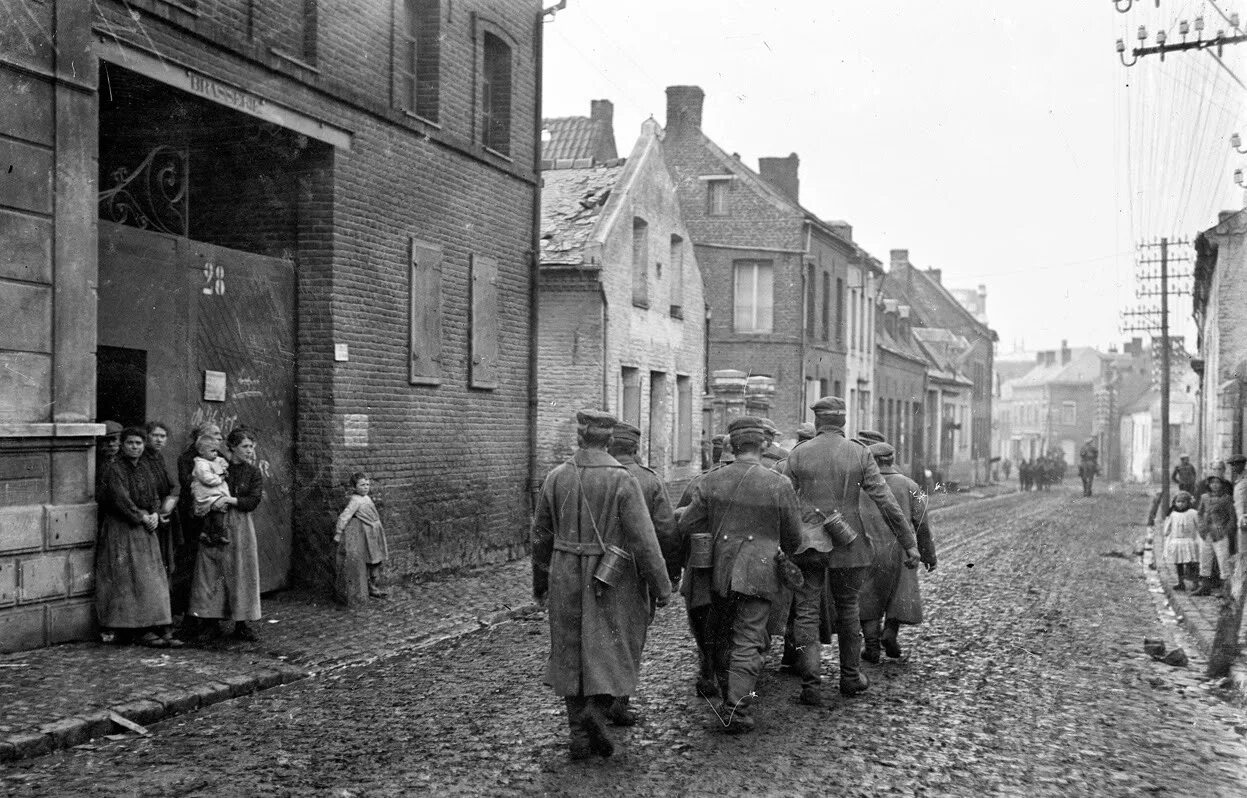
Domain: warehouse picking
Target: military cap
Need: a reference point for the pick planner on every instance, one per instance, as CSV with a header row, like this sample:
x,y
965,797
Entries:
x,y
112,428
870,435
806,432
769,426
882,449
1184,457
829,404
720,439
746,425
626,431
1236,459
595,418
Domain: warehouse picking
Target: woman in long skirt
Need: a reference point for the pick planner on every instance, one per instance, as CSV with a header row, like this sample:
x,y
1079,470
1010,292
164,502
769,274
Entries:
x,y
131,586
226,586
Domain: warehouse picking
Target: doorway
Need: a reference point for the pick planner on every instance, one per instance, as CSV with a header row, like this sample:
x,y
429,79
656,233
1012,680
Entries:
x,y
121,385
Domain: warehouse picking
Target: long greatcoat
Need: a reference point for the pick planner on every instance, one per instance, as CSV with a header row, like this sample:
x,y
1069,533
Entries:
x,y
596,633
905,602
832,472
659,505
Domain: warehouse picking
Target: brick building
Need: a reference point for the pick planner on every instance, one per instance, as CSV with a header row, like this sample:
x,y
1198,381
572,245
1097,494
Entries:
x,y
316,218
622,319
775,274
900,377
959,447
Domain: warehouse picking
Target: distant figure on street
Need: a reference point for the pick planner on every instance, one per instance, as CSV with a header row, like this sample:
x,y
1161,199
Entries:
x,y
1024,475
751,513
1184,474
1088,464
359,525
625,442
1217,523
902,604
1039,472
596,566
1006,466
1180,534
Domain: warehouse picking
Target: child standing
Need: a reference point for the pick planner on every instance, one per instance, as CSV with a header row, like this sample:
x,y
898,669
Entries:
x,y
208,487
361,518
1217,522
1181,535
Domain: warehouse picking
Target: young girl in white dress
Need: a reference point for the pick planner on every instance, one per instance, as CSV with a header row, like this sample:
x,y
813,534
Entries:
x,y
1181,534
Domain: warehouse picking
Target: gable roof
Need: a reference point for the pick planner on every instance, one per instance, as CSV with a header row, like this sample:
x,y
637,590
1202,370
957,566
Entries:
x,y
1084,367
576,138
930,300
572,201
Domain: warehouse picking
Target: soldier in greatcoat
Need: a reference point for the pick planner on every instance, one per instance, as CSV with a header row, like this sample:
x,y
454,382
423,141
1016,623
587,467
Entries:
x,y
903,605
751,513
589,509
831,473
624,444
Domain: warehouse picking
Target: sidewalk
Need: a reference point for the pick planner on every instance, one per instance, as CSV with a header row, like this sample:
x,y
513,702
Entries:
x,y
1197,615
61,696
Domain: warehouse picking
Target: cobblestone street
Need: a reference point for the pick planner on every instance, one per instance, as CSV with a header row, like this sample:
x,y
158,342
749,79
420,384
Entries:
x,y
1028,678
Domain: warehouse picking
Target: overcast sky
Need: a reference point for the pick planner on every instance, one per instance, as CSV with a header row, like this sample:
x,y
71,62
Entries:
x,y
1002,142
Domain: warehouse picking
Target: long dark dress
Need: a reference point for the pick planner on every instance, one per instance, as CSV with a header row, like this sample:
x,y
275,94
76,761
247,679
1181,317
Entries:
x,y
131,587
187,549
166,533
227,578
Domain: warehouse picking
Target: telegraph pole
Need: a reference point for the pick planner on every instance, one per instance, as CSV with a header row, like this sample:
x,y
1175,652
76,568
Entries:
x,y
1145,320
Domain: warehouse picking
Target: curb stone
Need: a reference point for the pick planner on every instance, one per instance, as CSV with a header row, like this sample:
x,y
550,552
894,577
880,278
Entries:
x,y
71,731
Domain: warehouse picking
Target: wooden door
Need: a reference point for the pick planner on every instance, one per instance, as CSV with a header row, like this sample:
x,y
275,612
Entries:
x,y
197,309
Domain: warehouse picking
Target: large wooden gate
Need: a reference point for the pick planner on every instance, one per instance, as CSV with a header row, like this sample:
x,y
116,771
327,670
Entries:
x,y
217,325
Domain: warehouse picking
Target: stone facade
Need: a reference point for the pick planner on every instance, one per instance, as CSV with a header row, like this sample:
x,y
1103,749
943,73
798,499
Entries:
x,y
408,220
622,316
1221,315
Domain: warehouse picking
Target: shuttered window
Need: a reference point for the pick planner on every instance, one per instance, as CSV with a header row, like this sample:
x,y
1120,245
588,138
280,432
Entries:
x,y
684,419
425,322
484,322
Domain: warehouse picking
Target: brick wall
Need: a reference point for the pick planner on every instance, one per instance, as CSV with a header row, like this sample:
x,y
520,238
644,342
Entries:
x,y
570,377
450,463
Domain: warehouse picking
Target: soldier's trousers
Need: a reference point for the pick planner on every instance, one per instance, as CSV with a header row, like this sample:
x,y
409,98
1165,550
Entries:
x,y
699,625
807,617
845,584
737,639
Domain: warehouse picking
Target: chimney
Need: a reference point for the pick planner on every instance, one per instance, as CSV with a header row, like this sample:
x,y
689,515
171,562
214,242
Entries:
x,y
935,274
900,264
602,114
684,109
782,173
1065,352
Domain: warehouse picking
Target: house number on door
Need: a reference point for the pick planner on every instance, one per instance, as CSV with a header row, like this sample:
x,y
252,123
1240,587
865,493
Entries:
x,y
214,279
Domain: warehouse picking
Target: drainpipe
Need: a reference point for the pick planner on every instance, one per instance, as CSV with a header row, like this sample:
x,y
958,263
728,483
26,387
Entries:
x,y
534,276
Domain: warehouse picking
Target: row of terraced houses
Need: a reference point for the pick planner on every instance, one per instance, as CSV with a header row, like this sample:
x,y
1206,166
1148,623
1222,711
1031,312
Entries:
x,y
338,223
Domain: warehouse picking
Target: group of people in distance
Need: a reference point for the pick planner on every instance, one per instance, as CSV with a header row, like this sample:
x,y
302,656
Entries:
x,y
818,543
1206,524
181,549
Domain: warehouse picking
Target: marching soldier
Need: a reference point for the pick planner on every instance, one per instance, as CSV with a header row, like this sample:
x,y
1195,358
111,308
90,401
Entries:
x,y
596,565
904,603
832,473
773,453
625,442
750,513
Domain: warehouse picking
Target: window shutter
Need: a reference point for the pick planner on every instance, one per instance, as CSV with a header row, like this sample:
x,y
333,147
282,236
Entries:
x,y
484,322
425,267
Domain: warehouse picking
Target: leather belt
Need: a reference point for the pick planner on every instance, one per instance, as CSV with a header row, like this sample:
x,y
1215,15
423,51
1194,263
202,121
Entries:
x,y
591,549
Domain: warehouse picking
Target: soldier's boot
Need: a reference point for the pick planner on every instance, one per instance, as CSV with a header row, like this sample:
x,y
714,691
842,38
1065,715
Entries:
x,y
849,641
620,714
890,645
593,720
871,651
578,746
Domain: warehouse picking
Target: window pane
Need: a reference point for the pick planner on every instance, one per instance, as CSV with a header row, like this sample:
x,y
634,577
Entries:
x,y
744,296
765,298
